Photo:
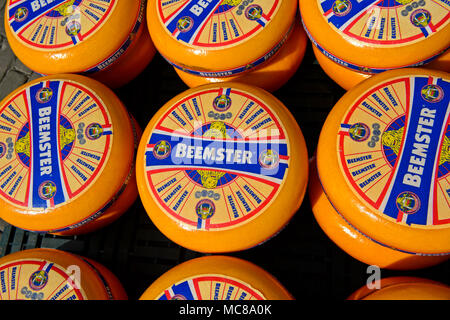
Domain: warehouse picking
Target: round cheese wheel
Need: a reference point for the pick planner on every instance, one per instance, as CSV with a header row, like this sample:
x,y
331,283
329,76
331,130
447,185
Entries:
x,y
382,159
50,274
214,38
222,167
375,36
270,76
66,153
404,288
353,242
348,78
80,36
216,278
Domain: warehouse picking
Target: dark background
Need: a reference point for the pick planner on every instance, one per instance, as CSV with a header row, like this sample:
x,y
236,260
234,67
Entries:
x,y
301,257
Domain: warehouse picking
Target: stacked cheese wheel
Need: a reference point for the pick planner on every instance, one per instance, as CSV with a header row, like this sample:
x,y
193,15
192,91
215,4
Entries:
x,y
216,278
67,147
258,42
222,167
50,274
403,288
107,40
354,40
379,191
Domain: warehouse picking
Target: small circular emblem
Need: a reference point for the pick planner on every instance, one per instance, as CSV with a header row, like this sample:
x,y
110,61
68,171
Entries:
x,y
161,150
44,95
341,7
420,18
359,132
408,202
254,12
269,159
38,280
73,28
205,209
222,103
94,131
178,297
185,24
47,190
21,14
432,93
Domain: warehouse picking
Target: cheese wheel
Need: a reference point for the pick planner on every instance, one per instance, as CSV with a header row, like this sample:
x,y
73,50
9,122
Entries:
x,y
51,274
222,167
216,278
404,288
353,242
348,78
375,36
382,157
215,38
270,76
66,153
80,36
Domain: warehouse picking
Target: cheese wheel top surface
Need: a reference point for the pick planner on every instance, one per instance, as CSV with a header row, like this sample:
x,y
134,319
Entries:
x,y
219,35
50,274
378,35
60,141
216,278
383,159
217,163
58,36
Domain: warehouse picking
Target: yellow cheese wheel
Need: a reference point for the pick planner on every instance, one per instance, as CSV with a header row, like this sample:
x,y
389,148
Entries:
x,y
375,36
382,159
354,242
66,153
348,78
51,274
404,288
80,36
270,76
222,167
215,38
216,278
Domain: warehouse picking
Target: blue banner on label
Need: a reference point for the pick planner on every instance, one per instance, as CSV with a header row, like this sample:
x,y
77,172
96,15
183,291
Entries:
x,y
264,158
47,185
180,291
339,13
21,16
186,24
413,186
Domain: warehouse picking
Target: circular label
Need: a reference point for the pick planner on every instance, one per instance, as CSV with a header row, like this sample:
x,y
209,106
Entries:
x,y
401,167
56,24
386,23
216,23
212,170
56,136
33,279
211,287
